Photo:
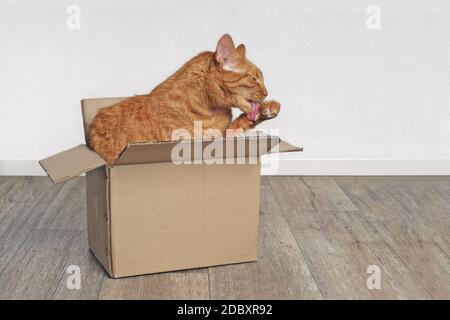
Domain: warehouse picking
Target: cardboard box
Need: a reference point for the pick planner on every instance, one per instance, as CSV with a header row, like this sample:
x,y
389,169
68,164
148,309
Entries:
x,y
146,214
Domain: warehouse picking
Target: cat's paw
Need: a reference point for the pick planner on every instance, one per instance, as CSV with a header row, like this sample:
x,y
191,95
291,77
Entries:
x,y
269,110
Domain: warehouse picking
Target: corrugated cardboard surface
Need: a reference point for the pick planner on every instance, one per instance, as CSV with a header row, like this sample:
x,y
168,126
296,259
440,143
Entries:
x,y
284,146
98,221
90,107
71,163
238,147
170,217
81,159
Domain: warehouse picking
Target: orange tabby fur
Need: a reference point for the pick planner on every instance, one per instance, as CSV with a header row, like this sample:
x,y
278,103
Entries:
x,y
204,89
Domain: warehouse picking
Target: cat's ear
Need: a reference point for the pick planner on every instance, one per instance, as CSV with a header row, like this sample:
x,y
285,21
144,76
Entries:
x,y
226,53
241,50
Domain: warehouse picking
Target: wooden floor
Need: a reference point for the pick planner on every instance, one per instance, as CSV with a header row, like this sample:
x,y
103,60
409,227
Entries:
x,y
318,236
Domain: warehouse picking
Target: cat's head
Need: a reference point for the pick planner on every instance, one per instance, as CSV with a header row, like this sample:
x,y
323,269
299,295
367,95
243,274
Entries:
x,y
241,80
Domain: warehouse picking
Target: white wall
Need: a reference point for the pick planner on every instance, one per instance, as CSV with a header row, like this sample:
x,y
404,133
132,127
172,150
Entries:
x,y
347,92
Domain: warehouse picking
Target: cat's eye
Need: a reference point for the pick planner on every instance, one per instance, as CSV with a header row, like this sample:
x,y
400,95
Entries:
x,y
253,77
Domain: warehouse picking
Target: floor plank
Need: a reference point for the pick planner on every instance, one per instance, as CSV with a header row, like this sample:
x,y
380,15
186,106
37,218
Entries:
x,y
311,193
190,284
67,209
339,246
10,242
28,189
318,235
412,219
38,265
281,271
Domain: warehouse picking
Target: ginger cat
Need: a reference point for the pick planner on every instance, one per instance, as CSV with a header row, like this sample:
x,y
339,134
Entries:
x,y
204,89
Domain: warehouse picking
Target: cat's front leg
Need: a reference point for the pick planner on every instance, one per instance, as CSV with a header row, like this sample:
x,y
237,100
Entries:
x,y
242,123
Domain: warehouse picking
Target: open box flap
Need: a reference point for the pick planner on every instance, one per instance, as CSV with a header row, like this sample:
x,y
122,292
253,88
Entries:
x,y
284,146
192,150
90,107
71,163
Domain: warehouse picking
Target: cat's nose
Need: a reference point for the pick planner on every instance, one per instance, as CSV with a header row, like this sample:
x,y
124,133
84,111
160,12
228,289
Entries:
x,y
264,92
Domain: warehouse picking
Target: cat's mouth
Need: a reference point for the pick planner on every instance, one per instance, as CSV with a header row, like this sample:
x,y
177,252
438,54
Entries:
x,y
255,110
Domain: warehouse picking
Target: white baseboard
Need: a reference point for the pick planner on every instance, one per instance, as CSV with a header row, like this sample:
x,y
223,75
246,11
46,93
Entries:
x,y
300,167
362,167
21,168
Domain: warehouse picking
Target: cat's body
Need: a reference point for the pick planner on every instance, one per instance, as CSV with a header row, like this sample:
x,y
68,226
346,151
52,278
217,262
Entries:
x,y
204,89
